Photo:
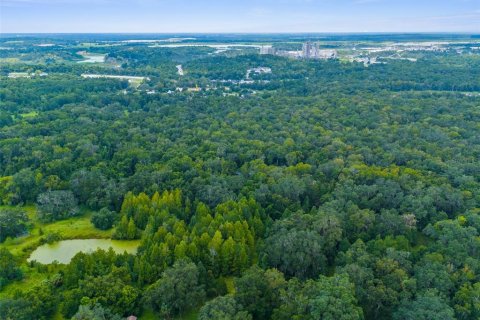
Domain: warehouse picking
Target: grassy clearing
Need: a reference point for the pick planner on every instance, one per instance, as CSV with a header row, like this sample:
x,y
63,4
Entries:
x,y
32,114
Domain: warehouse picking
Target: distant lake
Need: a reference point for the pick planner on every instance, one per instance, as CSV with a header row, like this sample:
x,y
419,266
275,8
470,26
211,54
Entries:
x,y
215,46
63,251
93,59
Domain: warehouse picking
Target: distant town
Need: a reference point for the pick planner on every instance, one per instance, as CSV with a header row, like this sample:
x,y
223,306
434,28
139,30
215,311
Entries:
x,y
310,50
112,60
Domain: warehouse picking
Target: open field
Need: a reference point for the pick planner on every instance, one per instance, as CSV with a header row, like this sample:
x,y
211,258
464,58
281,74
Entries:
x,y
134,81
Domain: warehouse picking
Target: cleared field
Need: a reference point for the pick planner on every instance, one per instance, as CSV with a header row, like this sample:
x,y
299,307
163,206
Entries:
x,y
134,81
129,78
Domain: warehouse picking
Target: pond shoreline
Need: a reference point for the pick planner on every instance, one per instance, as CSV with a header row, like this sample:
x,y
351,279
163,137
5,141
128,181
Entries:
x,y
64,250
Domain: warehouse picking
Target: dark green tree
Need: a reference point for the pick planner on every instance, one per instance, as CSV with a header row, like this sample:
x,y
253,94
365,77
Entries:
x,y
329,298
56,205
9,269
96,312
428,306
258,291
223,308
104,219
178,290
13,222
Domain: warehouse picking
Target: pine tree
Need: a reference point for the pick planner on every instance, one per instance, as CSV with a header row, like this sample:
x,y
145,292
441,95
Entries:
x,y
181,250
121,229
215,247
131,230
228,256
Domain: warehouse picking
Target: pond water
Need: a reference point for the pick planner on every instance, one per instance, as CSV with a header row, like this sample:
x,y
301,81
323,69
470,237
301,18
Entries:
x,y
63,251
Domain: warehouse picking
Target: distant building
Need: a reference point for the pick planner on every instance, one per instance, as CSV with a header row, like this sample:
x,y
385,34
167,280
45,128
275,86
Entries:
x,y
267,50
308,50
180,70
312,51
326,54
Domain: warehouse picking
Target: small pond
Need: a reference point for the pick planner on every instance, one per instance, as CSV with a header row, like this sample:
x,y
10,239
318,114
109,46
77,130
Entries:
x,y
63,251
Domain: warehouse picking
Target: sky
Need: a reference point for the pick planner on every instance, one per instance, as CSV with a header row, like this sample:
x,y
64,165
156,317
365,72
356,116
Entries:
x,y
238,16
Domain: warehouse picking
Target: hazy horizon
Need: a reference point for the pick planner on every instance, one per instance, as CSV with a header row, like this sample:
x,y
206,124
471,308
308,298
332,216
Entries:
x,y
249,16
185,33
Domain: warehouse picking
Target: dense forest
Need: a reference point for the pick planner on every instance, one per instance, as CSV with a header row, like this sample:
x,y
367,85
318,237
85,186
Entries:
x,y
323,190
